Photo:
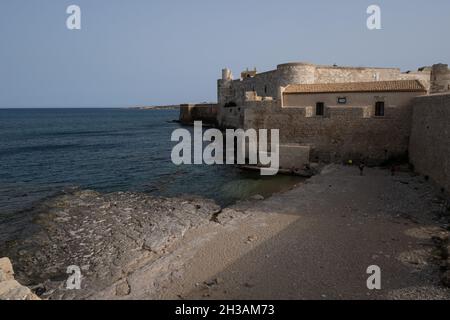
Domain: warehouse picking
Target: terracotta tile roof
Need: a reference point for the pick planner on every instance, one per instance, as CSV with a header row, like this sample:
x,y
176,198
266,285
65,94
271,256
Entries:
x,y
377,86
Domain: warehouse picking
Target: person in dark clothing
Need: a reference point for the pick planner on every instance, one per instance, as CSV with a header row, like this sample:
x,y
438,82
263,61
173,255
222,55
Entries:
x,y
362,165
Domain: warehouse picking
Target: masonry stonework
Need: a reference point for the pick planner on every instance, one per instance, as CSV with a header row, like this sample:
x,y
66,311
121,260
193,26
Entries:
x,y
440,76
430,138
206,112
350,132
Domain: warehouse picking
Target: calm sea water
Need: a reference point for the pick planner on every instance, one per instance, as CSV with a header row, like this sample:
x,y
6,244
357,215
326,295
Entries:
x,y
45,151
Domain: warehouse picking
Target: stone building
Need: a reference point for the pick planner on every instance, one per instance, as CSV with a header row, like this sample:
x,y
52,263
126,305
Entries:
x,y
340,121
335,114
330,113
266,85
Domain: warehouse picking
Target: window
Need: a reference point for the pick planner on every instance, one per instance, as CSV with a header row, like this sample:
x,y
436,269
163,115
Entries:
x,y
342,100
379,109
265,89
320,108
230,104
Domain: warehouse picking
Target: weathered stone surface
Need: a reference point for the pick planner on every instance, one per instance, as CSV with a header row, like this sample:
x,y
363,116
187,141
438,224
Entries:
x,y
446,278
123,289
105,235
430,137
10,289
13,290
294,156
6,270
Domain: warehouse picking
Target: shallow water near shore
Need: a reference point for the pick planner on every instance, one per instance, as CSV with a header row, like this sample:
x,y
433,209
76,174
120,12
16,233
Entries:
x,y
46,151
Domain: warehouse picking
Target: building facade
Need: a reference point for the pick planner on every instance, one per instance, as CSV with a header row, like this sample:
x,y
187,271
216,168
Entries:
x,y
331,113
266,85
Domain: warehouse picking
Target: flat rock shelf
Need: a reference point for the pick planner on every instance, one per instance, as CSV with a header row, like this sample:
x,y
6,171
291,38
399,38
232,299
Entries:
x,y
106,235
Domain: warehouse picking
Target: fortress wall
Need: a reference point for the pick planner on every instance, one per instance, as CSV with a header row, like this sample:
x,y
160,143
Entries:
x,y
325,74
423,76
231,117
344,132
440,77
198,112
225,91
338,137
264,84
295,73
234,117
430,138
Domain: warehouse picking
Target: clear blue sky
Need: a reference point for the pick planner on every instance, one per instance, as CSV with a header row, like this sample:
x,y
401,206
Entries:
x,y
142,52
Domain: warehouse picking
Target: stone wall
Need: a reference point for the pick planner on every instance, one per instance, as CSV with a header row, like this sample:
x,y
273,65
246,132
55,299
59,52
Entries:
x,y
198,112
344,132
330,74
440,77
430,138
233,117
294,156
423,76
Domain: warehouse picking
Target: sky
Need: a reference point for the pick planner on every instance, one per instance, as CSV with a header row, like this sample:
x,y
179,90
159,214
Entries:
x,y
155,52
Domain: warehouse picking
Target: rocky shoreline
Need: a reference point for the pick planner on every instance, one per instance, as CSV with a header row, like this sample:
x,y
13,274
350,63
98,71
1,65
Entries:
x,y
10,289
126,244
106,235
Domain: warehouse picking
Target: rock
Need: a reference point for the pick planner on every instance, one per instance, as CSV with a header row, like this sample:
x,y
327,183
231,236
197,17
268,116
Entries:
x,y
123,289
440,239
445,278
6,270
108,236
227,215
39,290
214,282
10,289
257,197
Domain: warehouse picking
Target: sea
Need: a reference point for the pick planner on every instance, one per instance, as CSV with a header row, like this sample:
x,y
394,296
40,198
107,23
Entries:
x,y
44,152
